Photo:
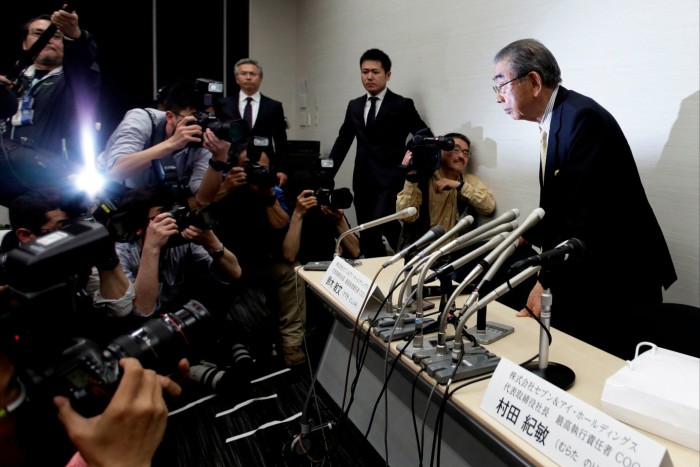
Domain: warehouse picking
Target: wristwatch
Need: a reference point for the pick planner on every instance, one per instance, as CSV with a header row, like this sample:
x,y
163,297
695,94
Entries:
x,y
219,166
218,253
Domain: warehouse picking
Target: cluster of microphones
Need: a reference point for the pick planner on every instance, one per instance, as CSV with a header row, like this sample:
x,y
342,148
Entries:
x,y
490,245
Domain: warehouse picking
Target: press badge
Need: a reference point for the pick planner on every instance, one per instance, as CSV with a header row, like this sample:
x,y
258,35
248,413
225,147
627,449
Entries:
x,y
25,113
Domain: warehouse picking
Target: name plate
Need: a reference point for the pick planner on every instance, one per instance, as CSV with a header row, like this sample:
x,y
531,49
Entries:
x,y
348,285
561,426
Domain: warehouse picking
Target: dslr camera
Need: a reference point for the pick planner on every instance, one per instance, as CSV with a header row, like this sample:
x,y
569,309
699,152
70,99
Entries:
x,y
426,149
324,187
37,328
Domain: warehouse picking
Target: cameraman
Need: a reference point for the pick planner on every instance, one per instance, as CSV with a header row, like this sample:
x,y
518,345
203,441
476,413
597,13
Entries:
x,y
322,226
170,136
165,276
255,221
128,432
40,212
442,196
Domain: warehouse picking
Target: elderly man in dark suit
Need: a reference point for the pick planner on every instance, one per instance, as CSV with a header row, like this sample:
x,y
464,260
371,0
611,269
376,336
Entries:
x,y
265,116
381,121
590,190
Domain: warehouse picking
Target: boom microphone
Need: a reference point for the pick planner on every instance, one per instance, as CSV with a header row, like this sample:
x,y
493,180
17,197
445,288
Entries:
x,y
428,237
569,250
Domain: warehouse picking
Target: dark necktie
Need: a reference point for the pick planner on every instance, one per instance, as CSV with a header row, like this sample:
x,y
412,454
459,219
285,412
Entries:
x,y
248,112
372,111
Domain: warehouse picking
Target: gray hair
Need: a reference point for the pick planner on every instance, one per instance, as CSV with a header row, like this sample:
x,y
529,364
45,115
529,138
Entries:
x,y
528,55
247,61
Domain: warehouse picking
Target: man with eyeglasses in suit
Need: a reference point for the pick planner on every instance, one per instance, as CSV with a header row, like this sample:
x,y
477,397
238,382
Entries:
x,y
590,189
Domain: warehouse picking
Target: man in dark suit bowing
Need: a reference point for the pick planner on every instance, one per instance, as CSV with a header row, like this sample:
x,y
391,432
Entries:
x,y
381,121
265,116
590,189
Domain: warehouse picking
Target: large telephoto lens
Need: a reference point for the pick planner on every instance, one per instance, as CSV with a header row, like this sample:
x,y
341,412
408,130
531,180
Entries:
x,y
161,343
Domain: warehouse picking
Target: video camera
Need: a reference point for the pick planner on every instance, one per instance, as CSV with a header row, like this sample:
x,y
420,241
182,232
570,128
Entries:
x,y
37,328
427,149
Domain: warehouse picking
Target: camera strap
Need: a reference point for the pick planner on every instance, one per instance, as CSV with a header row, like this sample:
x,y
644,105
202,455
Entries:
x,y
158,128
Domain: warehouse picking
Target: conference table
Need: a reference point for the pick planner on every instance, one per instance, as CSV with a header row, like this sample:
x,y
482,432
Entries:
x,y
469,436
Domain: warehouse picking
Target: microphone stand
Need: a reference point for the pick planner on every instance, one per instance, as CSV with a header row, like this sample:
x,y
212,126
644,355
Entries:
x,y
475,360
442,347
559,375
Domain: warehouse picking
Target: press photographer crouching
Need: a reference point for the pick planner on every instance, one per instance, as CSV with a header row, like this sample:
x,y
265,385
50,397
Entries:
x,y
254,224
318,218
43,356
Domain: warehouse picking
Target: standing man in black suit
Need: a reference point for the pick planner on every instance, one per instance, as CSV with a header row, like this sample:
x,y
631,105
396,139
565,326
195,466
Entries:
x,y
381,121
265,116
590,189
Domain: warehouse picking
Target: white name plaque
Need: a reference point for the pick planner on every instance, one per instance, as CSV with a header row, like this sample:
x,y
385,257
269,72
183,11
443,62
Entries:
x,y
561,426
348,285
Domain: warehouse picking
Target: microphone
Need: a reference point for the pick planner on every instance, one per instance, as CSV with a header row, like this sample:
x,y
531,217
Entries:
x,y
428,237
466,258
442,142
507,216
461,224
569,250
403,214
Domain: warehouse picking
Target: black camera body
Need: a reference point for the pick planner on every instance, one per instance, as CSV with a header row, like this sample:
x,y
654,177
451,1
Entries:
x,y
427,151
324,187
89,375
38,322
233,131
259,175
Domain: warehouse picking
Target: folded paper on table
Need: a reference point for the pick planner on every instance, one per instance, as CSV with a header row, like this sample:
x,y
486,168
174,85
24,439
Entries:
x,y
658,391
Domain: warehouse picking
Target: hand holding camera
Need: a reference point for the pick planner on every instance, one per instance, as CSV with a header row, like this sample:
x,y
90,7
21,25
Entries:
x,y
187,133
159,230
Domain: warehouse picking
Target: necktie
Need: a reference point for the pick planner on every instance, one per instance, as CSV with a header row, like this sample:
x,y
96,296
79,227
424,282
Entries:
x,y
543,151
248,112
372,111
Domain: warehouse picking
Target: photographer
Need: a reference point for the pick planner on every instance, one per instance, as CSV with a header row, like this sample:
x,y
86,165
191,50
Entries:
x,y
316,224
164,276
63,73
128,432
171,137
41,212
254,226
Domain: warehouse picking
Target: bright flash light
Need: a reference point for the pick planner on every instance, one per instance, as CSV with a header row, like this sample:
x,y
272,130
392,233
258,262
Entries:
x,y
90,181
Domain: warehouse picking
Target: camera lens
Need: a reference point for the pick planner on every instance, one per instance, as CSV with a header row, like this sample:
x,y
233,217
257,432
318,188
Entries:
x,y
161,343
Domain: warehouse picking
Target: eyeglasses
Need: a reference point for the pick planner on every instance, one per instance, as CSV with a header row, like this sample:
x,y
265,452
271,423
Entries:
x,y
58,225
248,73
465,152
35,32
498,88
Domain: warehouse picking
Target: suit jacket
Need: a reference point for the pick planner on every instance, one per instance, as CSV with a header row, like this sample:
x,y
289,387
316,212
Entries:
x,y
270,123
377,178
592,191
